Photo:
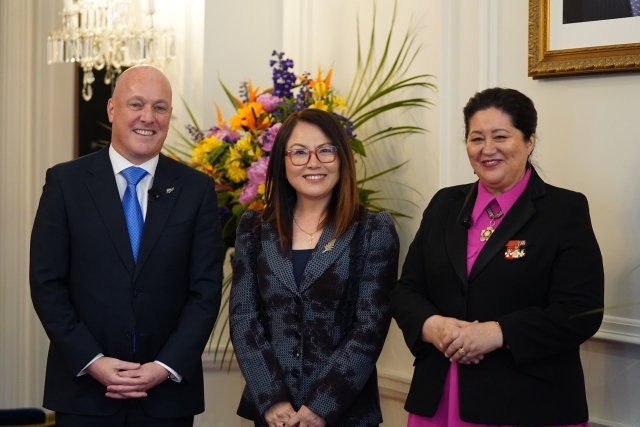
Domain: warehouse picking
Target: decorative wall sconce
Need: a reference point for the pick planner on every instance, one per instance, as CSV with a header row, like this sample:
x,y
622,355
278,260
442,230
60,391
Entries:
x,y
109,34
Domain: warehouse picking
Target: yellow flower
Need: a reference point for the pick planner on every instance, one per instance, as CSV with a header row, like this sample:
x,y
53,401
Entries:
x,y
246,147
319,89
234,171
210,143
319,104
261,189
204,147
338,103
244,144
234,155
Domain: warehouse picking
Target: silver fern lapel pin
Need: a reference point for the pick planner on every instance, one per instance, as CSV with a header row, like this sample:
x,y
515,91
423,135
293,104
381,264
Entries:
x,y
169,190
329,245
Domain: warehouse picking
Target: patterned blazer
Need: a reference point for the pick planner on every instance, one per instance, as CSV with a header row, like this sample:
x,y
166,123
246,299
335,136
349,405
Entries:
x,y
306,356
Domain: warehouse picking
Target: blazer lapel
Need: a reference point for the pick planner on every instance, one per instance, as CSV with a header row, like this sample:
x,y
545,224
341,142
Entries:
x,y
325,254
158,209
279,261
519,214
104,191
456,234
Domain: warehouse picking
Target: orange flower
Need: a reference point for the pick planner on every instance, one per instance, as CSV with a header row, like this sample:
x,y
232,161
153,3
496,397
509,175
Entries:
x,y
256,205
250,117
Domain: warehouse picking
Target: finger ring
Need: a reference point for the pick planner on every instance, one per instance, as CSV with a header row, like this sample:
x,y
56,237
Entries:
x,y
462,351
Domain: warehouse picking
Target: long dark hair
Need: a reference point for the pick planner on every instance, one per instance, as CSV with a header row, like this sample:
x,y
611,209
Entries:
x,y
280,196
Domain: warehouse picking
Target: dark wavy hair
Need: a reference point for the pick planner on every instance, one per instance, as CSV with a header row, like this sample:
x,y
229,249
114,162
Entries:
x,y
514,104
280,196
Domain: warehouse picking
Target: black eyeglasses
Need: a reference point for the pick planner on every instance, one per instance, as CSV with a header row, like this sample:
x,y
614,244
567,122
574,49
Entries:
x,y
301,156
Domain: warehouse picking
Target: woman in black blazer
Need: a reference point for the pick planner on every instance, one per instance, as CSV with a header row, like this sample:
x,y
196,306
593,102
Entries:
x,y
498,287
309,307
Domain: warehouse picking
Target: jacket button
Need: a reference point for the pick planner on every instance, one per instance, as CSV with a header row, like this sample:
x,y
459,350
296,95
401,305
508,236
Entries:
x,y
296,353
295,373
297,335
298,300
129,334
136,294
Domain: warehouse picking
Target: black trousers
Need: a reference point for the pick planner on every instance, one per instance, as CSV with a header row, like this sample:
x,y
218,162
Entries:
x,y
131,415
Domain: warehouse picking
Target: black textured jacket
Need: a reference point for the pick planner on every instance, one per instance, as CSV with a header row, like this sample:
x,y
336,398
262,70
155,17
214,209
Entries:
x,y
314,352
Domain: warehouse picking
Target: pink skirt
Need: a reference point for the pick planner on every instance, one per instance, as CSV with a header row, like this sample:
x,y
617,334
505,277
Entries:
x,y
448,413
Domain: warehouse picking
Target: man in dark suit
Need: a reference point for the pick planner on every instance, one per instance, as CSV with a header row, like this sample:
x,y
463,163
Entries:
x,y
126,272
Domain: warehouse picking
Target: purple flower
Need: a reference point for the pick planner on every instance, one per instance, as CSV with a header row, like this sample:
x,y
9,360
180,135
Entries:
x,y
283,79
224,133
268,136
348,125
223,211
269,101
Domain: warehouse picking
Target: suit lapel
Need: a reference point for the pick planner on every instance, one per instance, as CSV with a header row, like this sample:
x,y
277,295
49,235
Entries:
x,y
279,261
519,214
325,255
456,233
102,186
158,209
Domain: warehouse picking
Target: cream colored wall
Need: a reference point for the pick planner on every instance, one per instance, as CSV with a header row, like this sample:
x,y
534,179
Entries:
x,y
586,142
36,131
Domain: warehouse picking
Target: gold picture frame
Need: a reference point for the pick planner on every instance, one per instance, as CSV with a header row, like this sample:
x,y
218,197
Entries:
x,y
544,62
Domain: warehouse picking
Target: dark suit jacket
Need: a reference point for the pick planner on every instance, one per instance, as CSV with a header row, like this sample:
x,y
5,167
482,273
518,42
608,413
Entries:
x,y
538,301
90,296
309,359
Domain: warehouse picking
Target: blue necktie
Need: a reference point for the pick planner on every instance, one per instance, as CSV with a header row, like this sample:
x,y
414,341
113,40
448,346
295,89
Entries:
x,y
131,207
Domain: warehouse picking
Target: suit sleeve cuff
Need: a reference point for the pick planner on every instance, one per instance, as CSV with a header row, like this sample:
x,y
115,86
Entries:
x,y
173,375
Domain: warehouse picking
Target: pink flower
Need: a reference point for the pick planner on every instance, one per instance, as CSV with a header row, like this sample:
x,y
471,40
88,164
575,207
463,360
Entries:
x,y
257,172
224,133
256,175
268,102
268,136
248,193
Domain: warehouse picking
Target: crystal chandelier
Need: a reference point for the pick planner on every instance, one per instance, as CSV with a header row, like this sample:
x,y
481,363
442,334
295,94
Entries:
x,y
109,34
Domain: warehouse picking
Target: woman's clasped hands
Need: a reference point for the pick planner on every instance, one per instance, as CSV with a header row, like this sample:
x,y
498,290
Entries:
x,y
461,341
282,414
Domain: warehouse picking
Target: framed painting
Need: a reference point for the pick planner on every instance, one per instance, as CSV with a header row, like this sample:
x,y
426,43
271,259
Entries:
x,y
570,37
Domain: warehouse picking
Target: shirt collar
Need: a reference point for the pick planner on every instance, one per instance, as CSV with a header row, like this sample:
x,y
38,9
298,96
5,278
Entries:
x,y
119,163
506,200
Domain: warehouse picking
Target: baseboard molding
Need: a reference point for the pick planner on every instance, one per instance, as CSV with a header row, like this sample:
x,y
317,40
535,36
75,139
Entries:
x,y
619,329
597,422
393,386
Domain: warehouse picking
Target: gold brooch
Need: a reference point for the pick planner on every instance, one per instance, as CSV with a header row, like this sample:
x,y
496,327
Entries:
x,y
329,245
515,249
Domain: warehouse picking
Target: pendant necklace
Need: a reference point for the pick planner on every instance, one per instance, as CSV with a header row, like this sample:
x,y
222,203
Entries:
x,y
487,232
306,232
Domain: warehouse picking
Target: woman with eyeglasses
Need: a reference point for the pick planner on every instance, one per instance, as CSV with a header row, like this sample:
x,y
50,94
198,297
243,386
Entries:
x,y
309,304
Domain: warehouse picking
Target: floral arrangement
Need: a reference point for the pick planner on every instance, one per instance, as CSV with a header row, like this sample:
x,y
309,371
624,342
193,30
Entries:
x,y
236,154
